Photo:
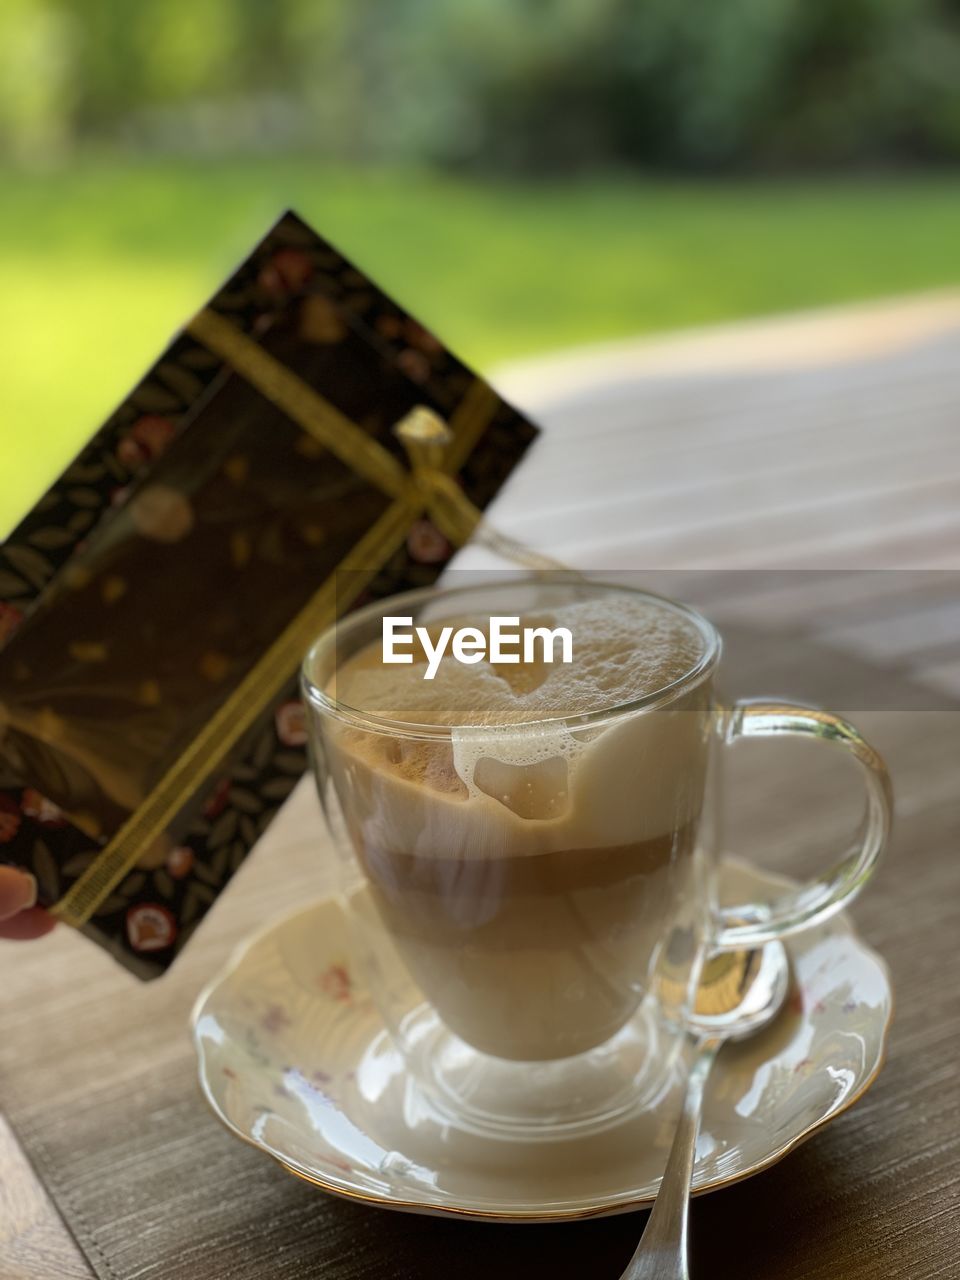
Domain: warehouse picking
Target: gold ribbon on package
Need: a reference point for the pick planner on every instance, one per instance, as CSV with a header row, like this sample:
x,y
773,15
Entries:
x,y
436,450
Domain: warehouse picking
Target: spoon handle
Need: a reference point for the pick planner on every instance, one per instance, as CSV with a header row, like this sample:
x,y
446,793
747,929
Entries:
x,y
662,1251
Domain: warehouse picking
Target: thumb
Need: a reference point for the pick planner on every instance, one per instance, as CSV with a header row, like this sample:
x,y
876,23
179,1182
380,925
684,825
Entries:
x,y
18,890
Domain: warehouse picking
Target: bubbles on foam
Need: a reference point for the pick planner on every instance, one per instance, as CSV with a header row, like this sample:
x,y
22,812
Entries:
x,y
622,649
537,744
476,694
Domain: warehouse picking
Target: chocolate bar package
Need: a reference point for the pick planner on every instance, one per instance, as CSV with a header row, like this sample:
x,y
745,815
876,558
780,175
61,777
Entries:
x,y
156,602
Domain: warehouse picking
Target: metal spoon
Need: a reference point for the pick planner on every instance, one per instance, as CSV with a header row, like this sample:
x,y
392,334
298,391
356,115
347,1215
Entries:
x,y
739,993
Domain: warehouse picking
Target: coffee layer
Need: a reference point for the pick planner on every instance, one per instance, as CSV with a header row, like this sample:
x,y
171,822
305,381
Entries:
x,y
533,958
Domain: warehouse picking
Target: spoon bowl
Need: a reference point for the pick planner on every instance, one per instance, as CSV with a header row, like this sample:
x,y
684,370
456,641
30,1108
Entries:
x,y
739,993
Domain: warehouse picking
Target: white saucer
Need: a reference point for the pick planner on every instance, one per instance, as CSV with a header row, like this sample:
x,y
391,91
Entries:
x,y
294,1059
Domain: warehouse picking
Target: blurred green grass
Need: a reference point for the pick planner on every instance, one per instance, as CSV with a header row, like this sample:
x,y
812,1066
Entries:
x,y
100,264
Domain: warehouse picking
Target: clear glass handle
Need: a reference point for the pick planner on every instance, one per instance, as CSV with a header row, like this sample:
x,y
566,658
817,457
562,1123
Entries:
x,y
752,926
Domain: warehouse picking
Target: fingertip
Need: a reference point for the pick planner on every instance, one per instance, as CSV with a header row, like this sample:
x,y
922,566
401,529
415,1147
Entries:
x,y
33,922
18,891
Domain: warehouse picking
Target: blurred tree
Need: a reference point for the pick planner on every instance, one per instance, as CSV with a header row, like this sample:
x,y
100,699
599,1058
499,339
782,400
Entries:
x,y
510,84
108,72
39,55
700,84
189,48
874,80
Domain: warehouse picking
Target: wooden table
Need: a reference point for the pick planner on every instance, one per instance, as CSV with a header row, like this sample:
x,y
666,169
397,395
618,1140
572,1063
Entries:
x,y
817,442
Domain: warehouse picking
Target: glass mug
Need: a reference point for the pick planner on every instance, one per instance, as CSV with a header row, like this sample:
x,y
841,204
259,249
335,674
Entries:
x,y
532,940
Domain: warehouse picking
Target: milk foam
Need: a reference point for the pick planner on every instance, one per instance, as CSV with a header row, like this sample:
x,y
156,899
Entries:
x,y
510,779
622,649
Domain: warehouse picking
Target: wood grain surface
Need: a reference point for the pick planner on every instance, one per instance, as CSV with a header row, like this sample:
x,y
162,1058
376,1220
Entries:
x,y
96,1071
33,1239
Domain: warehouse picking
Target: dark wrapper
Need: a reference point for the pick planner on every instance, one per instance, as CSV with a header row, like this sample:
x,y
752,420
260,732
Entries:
x,y
155,603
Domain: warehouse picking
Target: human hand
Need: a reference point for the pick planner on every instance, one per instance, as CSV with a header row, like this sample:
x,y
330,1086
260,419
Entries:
x,y
20,917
